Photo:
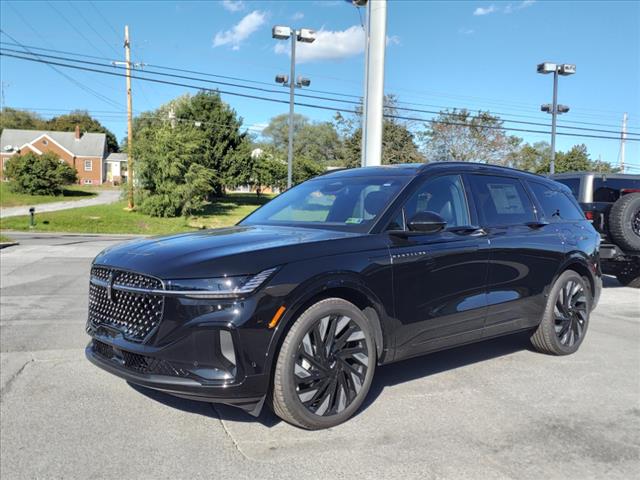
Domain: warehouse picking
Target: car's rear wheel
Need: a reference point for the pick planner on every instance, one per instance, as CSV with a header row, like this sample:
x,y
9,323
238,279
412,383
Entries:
x,y
566,316
325,366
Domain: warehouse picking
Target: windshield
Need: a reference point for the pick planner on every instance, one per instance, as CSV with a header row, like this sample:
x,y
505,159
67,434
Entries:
x,y
348,203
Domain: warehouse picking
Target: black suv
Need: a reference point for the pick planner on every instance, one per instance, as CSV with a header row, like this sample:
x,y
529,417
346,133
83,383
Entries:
x,y
300,301
612,203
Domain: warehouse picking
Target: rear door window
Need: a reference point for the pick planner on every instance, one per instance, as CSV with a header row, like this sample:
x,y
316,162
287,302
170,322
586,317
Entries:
x,y
556,205
501,201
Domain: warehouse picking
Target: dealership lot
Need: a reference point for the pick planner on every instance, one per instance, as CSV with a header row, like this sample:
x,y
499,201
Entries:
x,y
490,410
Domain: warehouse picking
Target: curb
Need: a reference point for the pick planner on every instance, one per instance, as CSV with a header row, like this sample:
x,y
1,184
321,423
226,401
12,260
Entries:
x,y
7,244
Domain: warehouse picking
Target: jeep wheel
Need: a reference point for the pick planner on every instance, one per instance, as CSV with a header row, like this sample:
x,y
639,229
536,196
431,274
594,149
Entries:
x,y
629,279
624,221
325,366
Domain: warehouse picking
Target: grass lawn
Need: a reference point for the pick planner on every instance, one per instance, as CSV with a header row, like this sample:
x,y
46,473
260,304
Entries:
x,y
72,192
115,219
4,239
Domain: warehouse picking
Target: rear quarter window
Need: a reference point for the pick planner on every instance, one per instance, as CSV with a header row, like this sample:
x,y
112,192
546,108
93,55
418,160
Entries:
x,y
572,183
556,205
501,201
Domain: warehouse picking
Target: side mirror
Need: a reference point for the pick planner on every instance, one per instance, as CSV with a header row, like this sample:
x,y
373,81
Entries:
x,y
427,222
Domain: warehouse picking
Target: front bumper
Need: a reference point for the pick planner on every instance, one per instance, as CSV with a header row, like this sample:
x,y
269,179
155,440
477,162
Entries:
x,y
248,394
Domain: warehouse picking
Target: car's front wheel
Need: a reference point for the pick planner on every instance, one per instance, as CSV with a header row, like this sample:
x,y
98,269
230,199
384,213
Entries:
x,y
566,316
325,366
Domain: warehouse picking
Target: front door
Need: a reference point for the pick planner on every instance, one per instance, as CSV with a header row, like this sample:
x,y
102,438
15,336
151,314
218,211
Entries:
x,y
439,278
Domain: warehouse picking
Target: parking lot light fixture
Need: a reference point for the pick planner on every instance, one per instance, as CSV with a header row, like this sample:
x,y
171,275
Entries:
x,y
304,35
564,69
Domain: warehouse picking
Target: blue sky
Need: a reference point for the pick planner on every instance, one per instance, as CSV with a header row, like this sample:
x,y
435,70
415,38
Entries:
x,y
439,54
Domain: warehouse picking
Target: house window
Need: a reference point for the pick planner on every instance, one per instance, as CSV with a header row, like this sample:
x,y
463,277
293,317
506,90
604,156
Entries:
x,y
88,165
88,182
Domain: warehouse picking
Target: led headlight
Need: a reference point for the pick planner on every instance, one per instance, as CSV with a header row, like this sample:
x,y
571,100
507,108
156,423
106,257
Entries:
x,y
221,287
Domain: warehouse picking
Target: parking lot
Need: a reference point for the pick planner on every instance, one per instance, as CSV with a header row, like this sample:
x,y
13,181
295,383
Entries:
x,y
490,410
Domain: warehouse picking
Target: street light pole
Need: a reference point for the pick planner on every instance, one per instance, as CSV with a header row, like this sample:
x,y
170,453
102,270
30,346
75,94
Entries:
x,y
292,89
304,35
554,114
554,109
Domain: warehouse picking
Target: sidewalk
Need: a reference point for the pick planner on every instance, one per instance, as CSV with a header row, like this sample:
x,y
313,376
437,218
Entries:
x,y
103,198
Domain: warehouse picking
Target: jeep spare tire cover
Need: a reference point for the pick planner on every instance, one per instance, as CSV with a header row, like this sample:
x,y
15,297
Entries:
x,y
624,221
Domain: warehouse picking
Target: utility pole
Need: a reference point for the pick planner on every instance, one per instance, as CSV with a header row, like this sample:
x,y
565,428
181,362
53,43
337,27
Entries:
x,y
623,137
127,52
372,121
127,63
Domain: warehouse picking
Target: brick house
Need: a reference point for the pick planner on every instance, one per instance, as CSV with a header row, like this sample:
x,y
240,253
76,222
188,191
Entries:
x,y
87,152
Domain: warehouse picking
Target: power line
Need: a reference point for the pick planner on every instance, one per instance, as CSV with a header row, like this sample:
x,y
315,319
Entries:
x,y
78,31
316,97
323,107
80,85
91,27
441,107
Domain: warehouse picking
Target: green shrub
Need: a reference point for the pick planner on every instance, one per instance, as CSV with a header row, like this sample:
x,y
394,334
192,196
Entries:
x,y
39,174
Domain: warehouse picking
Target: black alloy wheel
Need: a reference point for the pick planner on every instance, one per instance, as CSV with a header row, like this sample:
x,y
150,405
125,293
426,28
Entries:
x,y
325,366
635,223
566,316
571,313
331,365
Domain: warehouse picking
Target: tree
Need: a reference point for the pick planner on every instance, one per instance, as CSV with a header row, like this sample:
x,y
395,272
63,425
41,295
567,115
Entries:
x,y
42,174
186,158
316,141
81,118
537,158
20,119
398,143
277,132
457,135
170,169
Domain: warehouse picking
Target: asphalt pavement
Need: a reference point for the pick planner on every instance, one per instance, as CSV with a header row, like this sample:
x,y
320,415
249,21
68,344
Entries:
x,y
490,410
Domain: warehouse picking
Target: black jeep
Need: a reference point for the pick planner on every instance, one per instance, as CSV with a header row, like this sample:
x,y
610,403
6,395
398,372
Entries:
x,y
612,203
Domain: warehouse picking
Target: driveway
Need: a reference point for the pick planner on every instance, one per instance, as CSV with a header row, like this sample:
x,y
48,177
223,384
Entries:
x,y
490,410
103,197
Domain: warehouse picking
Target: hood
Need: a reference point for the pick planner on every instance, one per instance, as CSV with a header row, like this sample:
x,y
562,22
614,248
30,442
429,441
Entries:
x,y
226,251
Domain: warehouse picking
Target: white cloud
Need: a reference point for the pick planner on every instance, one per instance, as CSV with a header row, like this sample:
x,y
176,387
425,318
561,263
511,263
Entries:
x,y
297,16
233,5
466,31
484,11
241,31
393,40
329,45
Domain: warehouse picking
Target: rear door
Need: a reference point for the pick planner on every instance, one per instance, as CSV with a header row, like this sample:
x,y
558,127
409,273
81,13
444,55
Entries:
x,y
524,252
438,278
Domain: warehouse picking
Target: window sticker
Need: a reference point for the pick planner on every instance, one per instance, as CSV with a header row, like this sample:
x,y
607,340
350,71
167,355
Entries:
x,y
354,220
505,198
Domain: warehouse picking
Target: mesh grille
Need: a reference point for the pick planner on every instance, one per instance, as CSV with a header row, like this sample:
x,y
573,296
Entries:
x,y
140,363
136,315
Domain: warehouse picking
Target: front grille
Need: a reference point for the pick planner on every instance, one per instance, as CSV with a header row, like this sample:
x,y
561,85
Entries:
x,y
139,363
134,314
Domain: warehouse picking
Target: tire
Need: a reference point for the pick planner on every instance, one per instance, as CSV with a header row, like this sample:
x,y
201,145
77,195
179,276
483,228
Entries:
x,y
330,390
629,279
624,221
566,316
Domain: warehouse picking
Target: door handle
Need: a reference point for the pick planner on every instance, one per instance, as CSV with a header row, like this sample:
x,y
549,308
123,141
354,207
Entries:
x,y
471,230
536,225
